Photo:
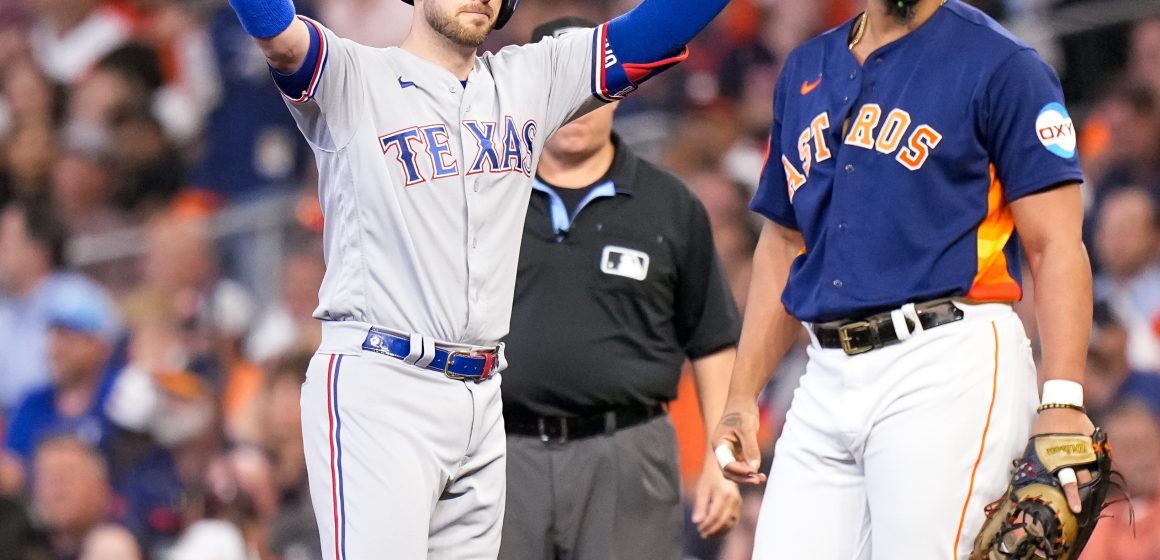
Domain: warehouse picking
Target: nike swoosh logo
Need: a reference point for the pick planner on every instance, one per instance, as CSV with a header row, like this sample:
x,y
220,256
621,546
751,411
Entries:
x,y
404,83
808,87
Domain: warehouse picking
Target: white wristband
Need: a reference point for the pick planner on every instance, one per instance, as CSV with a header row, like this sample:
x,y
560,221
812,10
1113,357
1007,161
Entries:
x,y
1062,391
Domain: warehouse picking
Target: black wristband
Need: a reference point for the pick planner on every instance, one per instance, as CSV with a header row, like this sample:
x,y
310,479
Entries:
x,y
1048,406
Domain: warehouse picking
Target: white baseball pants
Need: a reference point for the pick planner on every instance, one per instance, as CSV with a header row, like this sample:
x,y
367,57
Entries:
x,y
403,462
893,454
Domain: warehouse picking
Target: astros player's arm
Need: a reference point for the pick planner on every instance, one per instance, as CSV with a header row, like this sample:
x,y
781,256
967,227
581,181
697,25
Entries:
x,y
1049,223
766,334
716,502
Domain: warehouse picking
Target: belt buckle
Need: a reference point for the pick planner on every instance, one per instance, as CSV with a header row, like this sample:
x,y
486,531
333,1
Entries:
x,y
541,426
848,343
447,365
488,363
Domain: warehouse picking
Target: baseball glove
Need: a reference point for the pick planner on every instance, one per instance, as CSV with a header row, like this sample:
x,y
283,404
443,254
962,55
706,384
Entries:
x,y
1032,519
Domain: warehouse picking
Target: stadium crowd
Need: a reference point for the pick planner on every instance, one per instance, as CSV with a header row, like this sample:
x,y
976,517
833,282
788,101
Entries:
x,y
150,360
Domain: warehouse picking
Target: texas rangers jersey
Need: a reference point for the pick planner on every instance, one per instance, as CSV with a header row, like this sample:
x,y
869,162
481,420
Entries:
x,y
898,172
425,180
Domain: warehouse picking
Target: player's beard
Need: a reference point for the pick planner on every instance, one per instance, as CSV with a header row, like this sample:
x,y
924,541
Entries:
x,y
454,31
902,10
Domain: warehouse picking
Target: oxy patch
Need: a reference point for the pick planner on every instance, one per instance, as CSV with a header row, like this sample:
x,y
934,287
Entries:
x,y
1056,131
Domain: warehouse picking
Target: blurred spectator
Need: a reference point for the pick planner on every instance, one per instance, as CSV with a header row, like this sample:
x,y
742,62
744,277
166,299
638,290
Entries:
x,y
83,181
1134,427
70,492
253,146
149,168
30,108
180,273
110,542
210,539
294,531
70,35
1108,375
30,154
1126,249
1144,56
84,329
31,261
124,80
1127,148
142,471
289,324
19,538
734,231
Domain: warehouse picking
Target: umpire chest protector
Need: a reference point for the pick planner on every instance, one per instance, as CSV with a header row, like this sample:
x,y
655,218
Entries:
x,y
506,9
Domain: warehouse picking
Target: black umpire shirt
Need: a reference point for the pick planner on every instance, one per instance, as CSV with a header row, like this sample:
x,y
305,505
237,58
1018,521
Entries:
x,y
613,293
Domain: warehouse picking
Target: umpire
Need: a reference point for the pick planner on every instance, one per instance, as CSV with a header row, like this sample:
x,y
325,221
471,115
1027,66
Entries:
x,y
618,283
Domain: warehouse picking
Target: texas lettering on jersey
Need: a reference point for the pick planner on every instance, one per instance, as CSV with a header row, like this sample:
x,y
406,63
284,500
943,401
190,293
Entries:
x,y
432,145
895,136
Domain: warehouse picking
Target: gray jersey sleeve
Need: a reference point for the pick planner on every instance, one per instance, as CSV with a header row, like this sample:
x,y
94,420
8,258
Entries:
x,y
327,110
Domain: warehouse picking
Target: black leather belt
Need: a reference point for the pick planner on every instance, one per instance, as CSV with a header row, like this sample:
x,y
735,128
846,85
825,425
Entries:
x,y
559,429
876,331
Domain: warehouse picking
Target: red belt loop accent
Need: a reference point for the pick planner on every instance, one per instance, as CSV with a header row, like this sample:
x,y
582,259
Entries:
x,y
488,363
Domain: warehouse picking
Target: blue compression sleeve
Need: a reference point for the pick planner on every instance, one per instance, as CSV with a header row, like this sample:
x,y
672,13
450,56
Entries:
x,y
658,29
264,18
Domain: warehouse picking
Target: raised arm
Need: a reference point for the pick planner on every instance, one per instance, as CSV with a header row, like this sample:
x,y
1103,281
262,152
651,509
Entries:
x,y
283,38
658,29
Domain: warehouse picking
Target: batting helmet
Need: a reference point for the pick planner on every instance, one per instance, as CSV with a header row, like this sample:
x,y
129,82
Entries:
x,y
506,9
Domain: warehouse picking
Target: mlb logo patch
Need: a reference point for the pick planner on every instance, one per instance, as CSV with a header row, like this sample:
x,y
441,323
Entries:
x,y
620,261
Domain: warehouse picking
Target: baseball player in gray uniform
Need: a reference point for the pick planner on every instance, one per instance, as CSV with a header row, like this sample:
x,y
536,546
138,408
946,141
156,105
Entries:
x,y
426,155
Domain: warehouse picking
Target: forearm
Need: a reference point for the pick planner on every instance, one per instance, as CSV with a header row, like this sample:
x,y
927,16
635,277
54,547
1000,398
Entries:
x,y
768,330
1050,224
711,376
283,39
657,29
1063,307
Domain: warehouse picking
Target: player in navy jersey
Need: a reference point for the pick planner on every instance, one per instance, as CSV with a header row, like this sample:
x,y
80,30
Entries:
x,y
914,152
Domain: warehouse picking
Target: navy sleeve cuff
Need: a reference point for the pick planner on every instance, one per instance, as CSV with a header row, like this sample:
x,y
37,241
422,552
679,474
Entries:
x,y
300,86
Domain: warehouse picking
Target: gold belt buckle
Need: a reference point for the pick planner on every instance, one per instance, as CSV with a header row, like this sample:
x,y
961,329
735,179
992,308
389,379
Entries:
x,y
488,365
447,365
848,343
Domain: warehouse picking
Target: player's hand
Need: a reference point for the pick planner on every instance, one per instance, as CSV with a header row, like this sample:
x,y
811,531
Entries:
x,y
735,443
716,501
1067,421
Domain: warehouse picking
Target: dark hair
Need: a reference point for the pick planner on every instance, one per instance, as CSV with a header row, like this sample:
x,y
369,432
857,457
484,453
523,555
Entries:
x,y
44,229
136,62
1137,96
289,366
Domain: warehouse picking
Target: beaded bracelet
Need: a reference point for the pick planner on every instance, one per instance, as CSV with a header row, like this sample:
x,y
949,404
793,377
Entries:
x,y
1046,406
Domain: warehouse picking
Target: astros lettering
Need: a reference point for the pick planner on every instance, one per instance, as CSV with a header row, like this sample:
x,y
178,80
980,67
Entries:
x,y
864,132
